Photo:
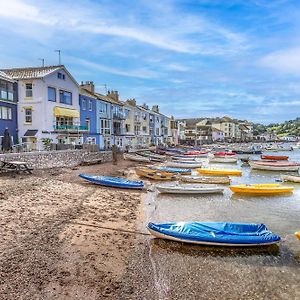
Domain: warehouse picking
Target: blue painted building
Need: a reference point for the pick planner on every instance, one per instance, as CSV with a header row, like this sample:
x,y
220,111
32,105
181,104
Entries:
x,y
88,115
8,107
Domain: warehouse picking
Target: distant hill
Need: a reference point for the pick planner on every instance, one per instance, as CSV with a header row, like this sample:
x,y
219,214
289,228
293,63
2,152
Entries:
x,y
291,127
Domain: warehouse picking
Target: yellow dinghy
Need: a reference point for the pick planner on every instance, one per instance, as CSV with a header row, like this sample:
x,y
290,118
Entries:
x,y
154,174
261,189
220,172
297,234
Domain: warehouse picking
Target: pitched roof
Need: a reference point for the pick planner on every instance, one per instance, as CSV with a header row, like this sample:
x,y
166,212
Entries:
x,y
5,77
35,72
108,99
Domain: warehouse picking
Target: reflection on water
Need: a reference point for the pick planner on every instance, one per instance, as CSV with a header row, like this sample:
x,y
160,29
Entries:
x,y
278,266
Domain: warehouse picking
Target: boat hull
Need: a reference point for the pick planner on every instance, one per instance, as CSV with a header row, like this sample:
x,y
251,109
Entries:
x,y
219,172
183,165
265,167
261,189
215,234
186,190
207,180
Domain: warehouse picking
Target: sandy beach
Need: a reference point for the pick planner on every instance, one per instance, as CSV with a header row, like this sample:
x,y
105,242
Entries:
x,y
50,241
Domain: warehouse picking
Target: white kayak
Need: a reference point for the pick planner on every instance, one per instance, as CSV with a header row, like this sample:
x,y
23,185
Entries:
x,y
180,189
188,165
223,159
136,158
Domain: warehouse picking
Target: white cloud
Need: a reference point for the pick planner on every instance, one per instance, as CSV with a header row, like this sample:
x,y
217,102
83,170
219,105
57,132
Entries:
x,y
287,61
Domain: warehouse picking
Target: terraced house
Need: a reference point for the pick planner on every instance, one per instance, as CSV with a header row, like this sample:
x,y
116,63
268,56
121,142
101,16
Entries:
x,y
48,105
8,106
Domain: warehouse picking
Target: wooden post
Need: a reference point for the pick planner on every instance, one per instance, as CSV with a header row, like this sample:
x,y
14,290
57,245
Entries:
x,y
114,154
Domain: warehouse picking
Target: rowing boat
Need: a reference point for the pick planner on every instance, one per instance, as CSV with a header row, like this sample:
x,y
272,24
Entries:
x,y
172,170
183,159
274,166
291,178
138,158
223,159
220,172
222,154
215,233
155,175
203,179
113,181
189,165
181,189
297,234
274,157
261,189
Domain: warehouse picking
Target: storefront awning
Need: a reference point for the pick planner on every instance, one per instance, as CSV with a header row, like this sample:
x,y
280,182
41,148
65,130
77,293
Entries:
x,y
66,112
31,132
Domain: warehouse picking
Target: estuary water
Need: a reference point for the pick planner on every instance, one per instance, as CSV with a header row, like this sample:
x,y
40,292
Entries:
x,y
170,270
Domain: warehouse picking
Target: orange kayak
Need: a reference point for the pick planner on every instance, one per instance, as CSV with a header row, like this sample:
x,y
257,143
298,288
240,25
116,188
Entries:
x,y
274,157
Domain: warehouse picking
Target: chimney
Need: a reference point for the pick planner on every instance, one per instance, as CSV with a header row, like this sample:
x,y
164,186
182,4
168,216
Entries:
x,y
88,85
145,106
155,108
113,95
131,102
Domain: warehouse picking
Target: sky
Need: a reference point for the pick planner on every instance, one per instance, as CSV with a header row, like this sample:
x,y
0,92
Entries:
x,y
194,58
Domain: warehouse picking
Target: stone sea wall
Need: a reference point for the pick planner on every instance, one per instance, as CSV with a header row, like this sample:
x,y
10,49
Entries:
x,y
56,159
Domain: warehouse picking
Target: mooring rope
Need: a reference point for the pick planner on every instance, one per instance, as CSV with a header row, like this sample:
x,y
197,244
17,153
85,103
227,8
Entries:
x,y
110,228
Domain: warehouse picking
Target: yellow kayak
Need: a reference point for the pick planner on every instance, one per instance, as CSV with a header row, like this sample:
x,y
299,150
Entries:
x,y
262,189
297,234
220,172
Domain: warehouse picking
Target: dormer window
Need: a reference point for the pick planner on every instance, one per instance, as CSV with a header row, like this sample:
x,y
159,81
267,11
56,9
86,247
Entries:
x,y
60,75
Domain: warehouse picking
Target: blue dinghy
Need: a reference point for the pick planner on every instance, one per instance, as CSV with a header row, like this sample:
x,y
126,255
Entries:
x,y
215,233
172,170
113,181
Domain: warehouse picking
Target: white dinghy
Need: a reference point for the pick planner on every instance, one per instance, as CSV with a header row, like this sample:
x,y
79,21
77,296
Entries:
x,y
181,189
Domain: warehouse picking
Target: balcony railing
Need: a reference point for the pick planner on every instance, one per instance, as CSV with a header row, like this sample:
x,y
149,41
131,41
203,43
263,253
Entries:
x,y
119,116
70,127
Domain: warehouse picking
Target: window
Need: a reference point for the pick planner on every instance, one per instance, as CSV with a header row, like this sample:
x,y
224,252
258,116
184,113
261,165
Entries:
x,y
60,75
28,115
144,129
28,90
105,126
65,97
90,105
127,127
51,94
103,107
127,113
83,104
5,113
62,121
10,91
3,90
88,123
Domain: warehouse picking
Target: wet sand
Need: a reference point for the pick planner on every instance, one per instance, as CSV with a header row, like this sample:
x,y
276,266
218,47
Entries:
x,y
51,244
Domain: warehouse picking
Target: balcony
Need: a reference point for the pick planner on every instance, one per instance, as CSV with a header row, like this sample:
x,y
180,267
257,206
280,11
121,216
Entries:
x,y
70,128
119,116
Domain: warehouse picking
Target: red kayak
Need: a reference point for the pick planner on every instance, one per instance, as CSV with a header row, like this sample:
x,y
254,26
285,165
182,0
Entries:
x,y
224,153
274,157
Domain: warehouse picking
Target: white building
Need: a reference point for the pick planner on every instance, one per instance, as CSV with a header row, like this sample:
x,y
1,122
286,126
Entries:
x,y
48,105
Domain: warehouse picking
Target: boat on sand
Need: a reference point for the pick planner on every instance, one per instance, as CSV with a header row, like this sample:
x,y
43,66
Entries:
x,y
207,180
179,164
155,175
215,233
113,181
220,172
134,157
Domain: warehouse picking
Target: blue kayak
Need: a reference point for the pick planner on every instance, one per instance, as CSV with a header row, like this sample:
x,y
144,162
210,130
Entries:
x,y
215,233
113,181
171,170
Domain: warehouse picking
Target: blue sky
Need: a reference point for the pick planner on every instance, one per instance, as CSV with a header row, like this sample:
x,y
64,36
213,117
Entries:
x,y
194,58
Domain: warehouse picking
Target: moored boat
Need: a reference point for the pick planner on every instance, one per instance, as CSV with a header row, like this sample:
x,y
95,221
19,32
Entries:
x,y
155,175
223,159
223,154
183,159
297,234
290,178
113,181
203,179
137,158
220,172
179,164
274,157
182,189
261,189
274,166
215,233
172,170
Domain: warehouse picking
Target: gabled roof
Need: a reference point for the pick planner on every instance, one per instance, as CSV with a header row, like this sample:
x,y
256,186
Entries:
x,y
35,72
108,99
5,77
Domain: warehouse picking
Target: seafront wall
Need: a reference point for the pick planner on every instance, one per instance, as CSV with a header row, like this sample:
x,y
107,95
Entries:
x,y
56,159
